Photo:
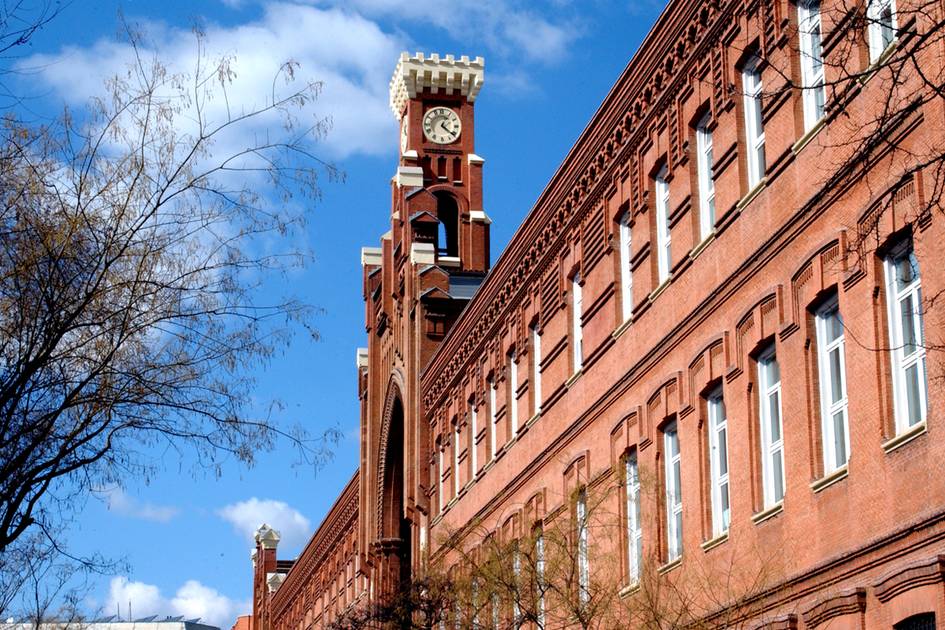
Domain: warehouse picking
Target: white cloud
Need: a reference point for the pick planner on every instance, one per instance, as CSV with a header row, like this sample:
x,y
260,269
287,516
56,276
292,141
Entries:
x,y
192,599
352,55
120,503
247,516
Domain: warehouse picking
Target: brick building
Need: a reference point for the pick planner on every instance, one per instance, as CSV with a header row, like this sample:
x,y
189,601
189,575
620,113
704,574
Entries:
x,y
707,312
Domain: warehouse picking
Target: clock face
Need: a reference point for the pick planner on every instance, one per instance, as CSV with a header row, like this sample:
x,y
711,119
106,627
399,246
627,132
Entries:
x,y
403,135
441,125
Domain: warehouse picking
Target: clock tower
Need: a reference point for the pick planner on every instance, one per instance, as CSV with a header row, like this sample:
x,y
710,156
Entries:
x,y
427,268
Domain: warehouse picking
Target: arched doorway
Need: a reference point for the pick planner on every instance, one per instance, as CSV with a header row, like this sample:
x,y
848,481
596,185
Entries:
x,y
395,529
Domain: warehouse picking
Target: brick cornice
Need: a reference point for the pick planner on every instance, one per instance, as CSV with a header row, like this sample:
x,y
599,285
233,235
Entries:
x,y
845,603
930,571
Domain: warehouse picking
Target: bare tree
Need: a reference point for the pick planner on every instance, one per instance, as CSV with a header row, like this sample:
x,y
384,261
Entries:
x,y
138,238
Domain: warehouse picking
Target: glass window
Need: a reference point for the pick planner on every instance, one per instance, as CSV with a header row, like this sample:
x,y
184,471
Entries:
x,y
456,458
706,177
626,267
577,313
473,430
584,572
881,23
923,621
754,127
492,418
812,61
634,525
540,576
663,252
833,386
439,476
673,492
536,369
772,444
906,337
718,462
513,393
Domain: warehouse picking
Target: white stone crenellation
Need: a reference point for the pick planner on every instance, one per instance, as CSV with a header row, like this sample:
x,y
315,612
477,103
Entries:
x,y
447,73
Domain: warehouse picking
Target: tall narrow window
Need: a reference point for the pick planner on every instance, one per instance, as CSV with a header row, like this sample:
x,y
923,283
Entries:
x,y
473,431
812,61
513,394
626,267
718,461
663,252
881,23
833,386
516,583
634,526
577,332
754,128
540,576
439,476
906,337
584,571
492,418
496,611
772,445
536,369
706,176
673,492
456,459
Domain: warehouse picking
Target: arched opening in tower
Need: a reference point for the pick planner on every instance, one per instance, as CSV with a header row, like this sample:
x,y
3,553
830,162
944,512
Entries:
x,y
447,212
396,529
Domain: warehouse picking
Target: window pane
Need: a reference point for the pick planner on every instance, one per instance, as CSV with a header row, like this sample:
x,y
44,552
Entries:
x,y
723,453
677,492
678,533
839,438
725,507
778,474
833,325
774,416
906,271
907,310
912,394
772,371
836,376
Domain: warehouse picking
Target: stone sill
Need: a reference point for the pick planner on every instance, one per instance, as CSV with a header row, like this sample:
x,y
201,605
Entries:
x,y
828,480
629,589
573,378
669,566
750,196
771,512
698,249
715,542
905,437
622,328
662,287
810,135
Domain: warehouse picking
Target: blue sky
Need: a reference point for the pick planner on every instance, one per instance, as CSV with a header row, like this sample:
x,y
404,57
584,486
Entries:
x,y
186,535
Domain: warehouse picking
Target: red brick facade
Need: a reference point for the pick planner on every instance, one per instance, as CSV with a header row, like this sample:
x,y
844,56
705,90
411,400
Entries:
x,y
865,539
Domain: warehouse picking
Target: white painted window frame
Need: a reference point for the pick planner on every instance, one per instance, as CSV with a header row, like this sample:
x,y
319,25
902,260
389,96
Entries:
x,y
902,362
704,165
718,459
584,569
674,507
540,576
513,394
473,430
754,125
577,331
536,368
439,470
626,265
810,35
878,23
770,448
493,447
829,408
456,434
663,233
634,526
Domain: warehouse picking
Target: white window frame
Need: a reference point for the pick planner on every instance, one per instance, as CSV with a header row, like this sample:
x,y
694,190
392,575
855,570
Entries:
x,y
663,236
673,488
704,164
718,462
584,569
833,460
754,125
771,449
877,24
493,387
456,434
513,394
536,368
902,362
439,470
626,266
473,430
810,35
516,577
540,576
577,331
634,526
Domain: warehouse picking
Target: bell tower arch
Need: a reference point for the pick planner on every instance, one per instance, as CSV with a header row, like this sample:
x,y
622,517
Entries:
x,y
427,267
